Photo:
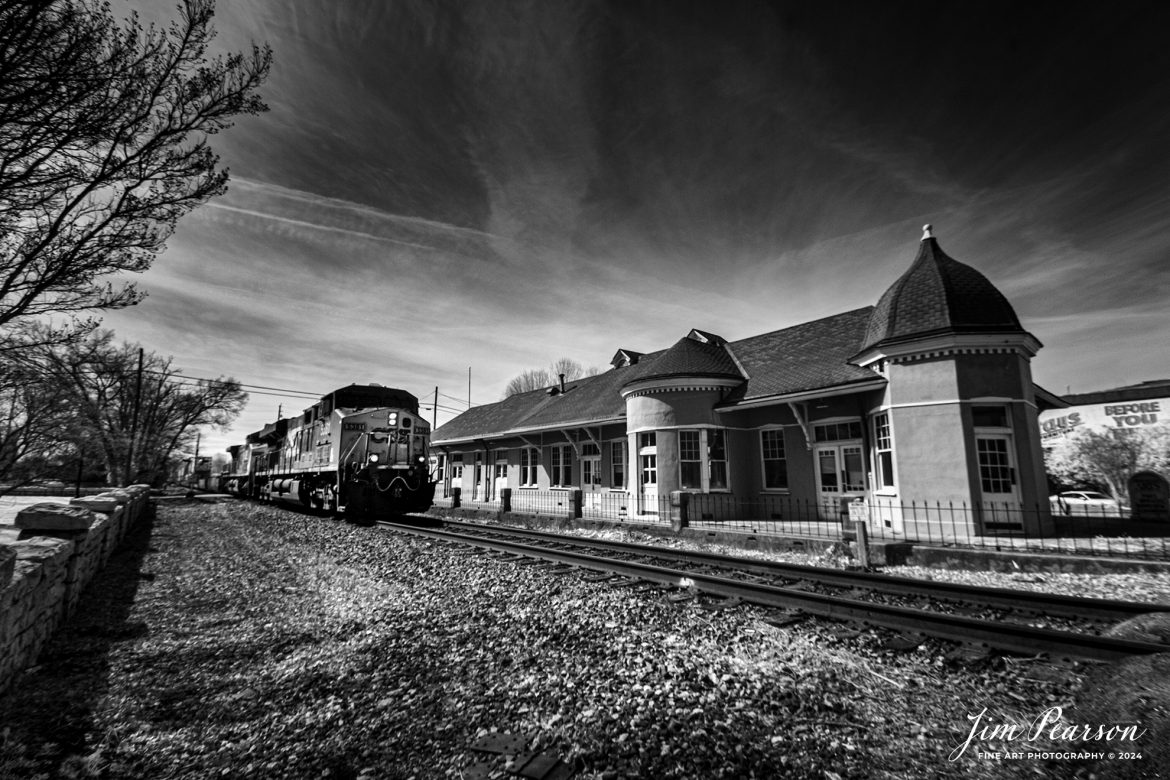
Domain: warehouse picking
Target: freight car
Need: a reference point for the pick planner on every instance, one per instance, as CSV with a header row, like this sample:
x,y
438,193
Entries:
x,y
361,450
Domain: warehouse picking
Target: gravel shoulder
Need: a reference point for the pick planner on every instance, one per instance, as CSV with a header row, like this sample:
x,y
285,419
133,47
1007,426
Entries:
x,y
236,640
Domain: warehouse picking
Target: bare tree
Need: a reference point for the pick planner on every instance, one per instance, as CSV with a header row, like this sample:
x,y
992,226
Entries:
x,y
1109,458
103,147
35,419
539,378
137,425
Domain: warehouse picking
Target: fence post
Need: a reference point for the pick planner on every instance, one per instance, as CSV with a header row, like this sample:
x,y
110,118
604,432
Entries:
x,y
456,495
679,505
859,528
506,499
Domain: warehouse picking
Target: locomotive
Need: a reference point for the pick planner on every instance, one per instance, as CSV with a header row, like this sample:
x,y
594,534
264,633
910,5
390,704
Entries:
x,y
361,450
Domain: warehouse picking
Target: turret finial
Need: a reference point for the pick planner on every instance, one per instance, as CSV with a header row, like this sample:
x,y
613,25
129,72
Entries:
x,y
926,232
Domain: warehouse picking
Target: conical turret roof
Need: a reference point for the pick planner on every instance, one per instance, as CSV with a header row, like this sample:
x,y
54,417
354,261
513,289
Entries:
x,y
939,295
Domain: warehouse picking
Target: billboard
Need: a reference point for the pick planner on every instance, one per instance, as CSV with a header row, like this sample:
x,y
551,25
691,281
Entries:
x,y
1056,424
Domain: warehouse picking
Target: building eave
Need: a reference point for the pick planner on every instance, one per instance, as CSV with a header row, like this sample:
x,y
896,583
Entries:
x,y
804,395
484,436
665,384
948,343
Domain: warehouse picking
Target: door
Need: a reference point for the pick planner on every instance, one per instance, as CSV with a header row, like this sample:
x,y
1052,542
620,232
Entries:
x,y
840,474
648,478
501,476
997,477
480,481
591,481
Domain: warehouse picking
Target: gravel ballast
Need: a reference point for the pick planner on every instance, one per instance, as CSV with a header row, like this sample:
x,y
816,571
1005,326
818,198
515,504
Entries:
x,y
236,640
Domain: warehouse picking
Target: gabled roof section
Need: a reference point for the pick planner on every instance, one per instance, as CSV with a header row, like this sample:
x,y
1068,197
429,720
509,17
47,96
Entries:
x,y
937,295
810,356
705,337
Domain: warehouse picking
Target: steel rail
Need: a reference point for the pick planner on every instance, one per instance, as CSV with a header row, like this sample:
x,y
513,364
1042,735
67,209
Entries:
x,y
1004,636
1032,601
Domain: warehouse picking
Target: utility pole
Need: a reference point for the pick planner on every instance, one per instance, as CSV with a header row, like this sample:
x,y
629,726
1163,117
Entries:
x,y
195,462
134,420
469,387
435,410
279,409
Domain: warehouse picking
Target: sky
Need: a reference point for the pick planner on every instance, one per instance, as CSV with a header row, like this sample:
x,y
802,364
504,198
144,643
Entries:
x,y
442,188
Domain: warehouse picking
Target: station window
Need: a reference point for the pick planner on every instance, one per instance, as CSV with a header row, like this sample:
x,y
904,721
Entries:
x,y
775,460
841,431
884,449
561,466
702,459
716,459
529,465
617,464
690,464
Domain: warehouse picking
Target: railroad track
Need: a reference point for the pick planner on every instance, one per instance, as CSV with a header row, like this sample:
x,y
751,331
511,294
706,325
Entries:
x,y
753,582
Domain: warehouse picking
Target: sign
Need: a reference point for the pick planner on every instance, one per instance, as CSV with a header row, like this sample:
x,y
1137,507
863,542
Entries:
x,y
1056,424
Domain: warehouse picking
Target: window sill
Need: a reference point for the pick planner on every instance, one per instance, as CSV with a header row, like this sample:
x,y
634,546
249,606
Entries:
x,y
777,491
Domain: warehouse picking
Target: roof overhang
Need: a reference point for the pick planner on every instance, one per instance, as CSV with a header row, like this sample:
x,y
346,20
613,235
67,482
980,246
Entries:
x,y
946,344
877,383
483,437
1048,400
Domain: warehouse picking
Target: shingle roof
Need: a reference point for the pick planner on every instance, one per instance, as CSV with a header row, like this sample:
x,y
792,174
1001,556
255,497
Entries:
x,y
805,357
689,357
809,356
938,294
589,399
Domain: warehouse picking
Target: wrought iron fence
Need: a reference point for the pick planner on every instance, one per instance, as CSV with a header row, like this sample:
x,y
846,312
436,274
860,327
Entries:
x,y
1054,529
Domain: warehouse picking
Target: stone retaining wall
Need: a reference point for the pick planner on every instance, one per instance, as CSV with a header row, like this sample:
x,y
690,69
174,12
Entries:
x,y
43,573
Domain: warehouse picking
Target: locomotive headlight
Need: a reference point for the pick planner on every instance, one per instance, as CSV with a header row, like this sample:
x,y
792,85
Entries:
x,y
392,419
421,459
374,458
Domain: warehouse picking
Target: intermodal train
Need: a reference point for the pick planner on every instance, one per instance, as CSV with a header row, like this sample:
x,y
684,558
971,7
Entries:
x,y
361,450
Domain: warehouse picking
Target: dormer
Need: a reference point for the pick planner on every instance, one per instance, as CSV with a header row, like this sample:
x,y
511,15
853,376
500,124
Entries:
x,y
625,357
703,337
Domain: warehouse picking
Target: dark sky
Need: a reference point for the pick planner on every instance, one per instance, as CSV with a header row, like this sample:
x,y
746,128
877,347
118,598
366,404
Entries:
x,y
496,184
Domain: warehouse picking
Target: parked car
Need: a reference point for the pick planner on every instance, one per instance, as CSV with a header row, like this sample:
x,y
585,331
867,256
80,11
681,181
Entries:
x,y
1084,502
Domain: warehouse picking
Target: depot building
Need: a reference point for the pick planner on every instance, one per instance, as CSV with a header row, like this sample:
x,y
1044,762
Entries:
x,y
923,400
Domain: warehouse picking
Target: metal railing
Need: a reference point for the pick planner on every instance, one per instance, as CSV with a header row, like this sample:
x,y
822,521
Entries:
x,y
1052,529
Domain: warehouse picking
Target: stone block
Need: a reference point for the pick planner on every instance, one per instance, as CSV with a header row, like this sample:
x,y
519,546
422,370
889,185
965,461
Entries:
x,y
98,503
54,517
51,553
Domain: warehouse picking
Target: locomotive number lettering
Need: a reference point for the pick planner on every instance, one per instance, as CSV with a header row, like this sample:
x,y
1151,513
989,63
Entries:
x,y
353,426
